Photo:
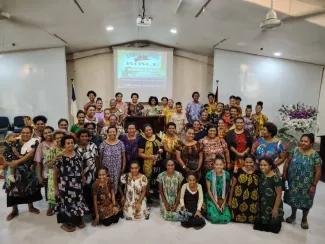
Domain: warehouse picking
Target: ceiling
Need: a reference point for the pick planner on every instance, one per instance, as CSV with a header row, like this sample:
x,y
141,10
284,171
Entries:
x,y
34,23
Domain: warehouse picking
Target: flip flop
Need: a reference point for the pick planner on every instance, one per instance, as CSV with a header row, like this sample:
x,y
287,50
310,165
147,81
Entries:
x,y
49,212
83,225
68,228
34,210
12,215
304,225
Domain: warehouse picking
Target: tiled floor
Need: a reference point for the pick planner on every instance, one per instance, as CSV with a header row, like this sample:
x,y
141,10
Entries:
x,y
38,229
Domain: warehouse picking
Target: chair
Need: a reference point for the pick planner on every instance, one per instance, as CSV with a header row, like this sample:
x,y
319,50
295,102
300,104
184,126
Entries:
x,y
19,123
4,125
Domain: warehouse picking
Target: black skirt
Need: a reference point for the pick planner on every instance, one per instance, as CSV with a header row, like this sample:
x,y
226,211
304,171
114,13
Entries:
x,y
11,200
274,228
62,218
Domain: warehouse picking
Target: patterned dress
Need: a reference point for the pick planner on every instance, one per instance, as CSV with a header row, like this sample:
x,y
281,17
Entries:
x,y
111,159
171,143
250,123
261,120
189,154
211,108
180,120
213,214
135,109
131,149
301,175
70,205
51,154
132,195
266,199
171,187
245,199
168,114
193,110
153,111
212,148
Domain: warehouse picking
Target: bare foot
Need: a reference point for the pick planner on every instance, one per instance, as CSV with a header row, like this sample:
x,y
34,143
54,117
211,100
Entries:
x,y
68,228
12,215
49,212
34,210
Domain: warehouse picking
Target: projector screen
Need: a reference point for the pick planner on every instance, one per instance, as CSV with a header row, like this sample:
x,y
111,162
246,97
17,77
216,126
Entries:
x,y
146,71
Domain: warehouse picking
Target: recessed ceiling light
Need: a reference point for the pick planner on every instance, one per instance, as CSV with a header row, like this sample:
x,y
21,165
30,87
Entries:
x,y
277,54
109,28
174,31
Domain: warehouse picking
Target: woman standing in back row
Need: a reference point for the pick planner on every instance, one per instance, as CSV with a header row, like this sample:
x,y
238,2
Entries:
x,y
260,118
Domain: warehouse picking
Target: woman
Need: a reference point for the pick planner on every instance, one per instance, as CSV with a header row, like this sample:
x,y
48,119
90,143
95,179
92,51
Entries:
x,y
134,107
116,111
63,124
239,142
217,115
92,96
212,147
260,118
222,128
91,127
154,108
89,152
131,142
106,210
90,115
212,107
99,113
191,201
170,141
189,155
170,182
303,171
193,109
51,156
26,188
104,122
149,151
164,103
270,207
217,183
40,159
121,105
70,206
169,111
243,199
180,119
81,122
250,123
204,120
269,147
112,156
39,125
198,132
113,122
134,198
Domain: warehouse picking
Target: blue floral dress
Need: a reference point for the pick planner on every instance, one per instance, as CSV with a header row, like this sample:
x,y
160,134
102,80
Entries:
x,y
193,110
301,175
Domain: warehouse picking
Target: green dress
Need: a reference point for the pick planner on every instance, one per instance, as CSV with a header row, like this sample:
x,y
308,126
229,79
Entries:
x,y
170,187
74,129
213,214
51,154
301,175
267,196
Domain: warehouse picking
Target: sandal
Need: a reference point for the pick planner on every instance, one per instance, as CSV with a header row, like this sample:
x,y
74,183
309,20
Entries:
x,y
34,210
82,225
49,212
12,215
68,228
290,219
304,225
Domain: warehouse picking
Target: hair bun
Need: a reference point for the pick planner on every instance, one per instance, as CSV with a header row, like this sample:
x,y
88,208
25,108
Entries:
x,y
249,106
260,103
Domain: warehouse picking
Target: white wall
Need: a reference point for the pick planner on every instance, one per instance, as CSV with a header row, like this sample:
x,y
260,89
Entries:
x,y
191,73
273,81
321,109
34,83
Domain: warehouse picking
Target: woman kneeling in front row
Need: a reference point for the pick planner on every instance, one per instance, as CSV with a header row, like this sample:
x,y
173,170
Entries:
x,y
106,210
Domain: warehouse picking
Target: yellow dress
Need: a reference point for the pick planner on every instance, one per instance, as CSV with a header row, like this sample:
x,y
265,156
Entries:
x,y
171,143
261,120
168,114
211,108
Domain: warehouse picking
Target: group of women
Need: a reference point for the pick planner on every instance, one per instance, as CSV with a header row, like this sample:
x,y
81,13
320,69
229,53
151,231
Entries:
x,y
220,166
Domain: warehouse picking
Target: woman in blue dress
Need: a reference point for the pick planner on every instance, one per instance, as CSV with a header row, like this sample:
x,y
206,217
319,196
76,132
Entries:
x,y
303,171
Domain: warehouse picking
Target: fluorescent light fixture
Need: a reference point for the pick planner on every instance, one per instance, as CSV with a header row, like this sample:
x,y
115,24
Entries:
x,y
174,31
277,54
109,28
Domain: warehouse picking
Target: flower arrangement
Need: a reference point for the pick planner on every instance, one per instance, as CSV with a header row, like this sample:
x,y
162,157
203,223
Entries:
x,y
298,117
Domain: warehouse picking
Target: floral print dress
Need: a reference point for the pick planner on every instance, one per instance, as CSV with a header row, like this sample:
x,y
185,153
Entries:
x,y
70,205
132,195
131,149
245,199
171,186
111,159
